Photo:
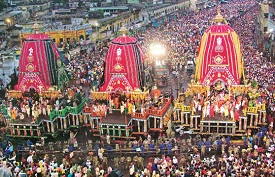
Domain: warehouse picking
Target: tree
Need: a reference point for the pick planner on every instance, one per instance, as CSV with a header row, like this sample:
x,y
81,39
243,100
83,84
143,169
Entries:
x,y
81,4
60,1
2,5
96,14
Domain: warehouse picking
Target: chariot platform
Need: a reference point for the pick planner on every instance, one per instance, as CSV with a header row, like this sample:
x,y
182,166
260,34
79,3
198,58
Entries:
x,y
253,118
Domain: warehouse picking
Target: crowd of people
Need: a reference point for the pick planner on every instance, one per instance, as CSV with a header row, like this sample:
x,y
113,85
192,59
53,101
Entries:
x,y
259,68
30,107
166,156
182,38
86,67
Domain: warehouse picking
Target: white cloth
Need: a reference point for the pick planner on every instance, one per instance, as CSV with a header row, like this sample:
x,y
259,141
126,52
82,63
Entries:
x,y
132,170
175,160
30,159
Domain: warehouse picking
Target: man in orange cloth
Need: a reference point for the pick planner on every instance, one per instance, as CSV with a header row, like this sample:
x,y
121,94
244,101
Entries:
x,y
226,111
130,108
116,102
13,114
126,107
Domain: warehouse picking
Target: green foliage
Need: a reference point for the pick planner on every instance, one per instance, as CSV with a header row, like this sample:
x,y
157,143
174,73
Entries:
x,y
2,5
96,14
80,4
60,1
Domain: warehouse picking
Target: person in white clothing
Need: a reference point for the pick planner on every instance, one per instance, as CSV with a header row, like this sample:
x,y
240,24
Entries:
x,y
175,161
30,159
132,170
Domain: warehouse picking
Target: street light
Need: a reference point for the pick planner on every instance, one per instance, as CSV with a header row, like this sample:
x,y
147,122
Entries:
x,y
96,25
157,50
8,20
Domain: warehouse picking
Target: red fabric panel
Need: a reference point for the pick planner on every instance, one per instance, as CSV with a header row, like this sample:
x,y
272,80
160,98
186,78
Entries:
x,y
220,60
33,66
121,69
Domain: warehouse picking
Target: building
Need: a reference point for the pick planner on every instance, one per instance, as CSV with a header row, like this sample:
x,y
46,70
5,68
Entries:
x,y
12,17
35,8
93,30
265,33
110,10
63,34
264,17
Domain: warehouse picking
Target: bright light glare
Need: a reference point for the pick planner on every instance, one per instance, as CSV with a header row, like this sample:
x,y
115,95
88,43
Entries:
x,y
159,62
157,49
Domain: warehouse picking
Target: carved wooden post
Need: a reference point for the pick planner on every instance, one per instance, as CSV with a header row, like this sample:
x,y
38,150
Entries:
x,y
264,117
92,123
73,120
114,132
161,123
240,123
182,117
61,124
191,121
77,119
145,126
138,126
201,127
234,128
52,125
245,123
260,116
65,123
85,118
48,127
256,119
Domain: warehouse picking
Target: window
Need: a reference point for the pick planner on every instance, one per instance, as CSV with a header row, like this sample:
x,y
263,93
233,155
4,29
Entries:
x,y
266,15
265,29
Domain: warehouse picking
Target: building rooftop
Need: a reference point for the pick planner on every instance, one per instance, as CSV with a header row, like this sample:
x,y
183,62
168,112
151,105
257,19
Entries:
x,y
3,16
15,12
110,8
